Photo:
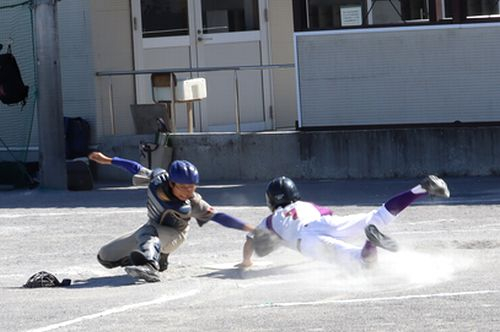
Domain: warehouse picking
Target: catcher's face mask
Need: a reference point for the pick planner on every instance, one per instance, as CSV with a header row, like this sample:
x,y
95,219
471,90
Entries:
x,y
45,279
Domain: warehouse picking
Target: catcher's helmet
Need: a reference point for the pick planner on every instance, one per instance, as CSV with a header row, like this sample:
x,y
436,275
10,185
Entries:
x,y
280,192
182,171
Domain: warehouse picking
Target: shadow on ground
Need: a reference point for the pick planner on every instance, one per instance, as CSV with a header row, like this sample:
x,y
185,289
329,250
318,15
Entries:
x,y
111,281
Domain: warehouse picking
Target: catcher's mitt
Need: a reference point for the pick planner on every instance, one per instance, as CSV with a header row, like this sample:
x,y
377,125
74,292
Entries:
x,y
45,279
264,241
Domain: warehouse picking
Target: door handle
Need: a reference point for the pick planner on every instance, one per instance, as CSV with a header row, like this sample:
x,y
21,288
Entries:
x,y
200,38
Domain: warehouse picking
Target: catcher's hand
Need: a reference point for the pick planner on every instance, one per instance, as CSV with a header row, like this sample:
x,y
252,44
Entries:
x,y
264,241
99,158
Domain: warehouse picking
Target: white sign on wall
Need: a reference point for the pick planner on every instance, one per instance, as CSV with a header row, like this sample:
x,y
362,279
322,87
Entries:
x,y
351,16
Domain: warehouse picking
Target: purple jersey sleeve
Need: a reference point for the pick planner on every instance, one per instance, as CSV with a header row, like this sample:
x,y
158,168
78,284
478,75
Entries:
x,y
129,165
323,210
228,221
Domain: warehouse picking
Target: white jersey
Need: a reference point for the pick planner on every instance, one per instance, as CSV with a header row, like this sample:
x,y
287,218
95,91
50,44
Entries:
x,y
315,231
289,221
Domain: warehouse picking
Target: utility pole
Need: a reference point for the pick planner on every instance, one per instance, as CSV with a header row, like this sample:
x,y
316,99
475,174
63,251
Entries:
x,y
52,158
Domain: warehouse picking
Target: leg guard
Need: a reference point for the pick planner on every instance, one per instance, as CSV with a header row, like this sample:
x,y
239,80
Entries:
x,y
149,245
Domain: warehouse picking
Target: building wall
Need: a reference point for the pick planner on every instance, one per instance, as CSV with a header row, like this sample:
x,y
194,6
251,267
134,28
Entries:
x,y
111,31
404,75
281,44
76,59
383,153
342,154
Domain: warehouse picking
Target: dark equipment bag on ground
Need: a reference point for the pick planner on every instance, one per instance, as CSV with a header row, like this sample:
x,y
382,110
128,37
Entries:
x,y
77,140
12,88
79,175
77,137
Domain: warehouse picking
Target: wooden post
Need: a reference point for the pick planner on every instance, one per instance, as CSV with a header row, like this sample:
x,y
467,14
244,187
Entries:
x,y
189,107
52,157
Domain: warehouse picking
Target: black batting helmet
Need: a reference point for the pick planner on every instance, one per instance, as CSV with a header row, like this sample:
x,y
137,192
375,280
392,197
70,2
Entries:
x,y
280,192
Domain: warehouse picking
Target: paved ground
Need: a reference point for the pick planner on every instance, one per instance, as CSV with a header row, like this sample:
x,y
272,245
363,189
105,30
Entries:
x,y
445,278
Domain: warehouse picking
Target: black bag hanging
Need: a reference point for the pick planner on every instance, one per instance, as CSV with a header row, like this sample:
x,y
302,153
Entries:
x,y
12,88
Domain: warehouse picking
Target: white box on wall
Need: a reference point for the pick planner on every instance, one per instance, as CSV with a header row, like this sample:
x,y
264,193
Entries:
x,y
191,89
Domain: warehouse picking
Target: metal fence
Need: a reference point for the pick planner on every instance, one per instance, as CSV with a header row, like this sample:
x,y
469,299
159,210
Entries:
x,y
236,86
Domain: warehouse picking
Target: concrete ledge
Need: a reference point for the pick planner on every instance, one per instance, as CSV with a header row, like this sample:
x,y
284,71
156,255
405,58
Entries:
x,y
375,153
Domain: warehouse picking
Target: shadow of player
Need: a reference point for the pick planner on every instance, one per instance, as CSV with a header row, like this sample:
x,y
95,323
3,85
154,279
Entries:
x,y
111,281
238,273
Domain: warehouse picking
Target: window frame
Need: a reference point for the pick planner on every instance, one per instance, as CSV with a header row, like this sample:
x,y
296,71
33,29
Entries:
x,y
436,14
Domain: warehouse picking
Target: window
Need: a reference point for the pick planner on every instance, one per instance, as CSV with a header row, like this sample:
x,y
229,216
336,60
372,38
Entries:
x,y
415,10
164,18
482,8
332,14
230,15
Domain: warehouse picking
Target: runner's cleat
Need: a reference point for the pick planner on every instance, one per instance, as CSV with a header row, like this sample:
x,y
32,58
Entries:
x,y
143,272
435,186
369,254
380,240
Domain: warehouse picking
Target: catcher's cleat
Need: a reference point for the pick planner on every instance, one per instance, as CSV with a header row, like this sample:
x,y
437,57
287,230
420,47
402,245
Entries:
x,y
380,240
201,223
163,262
138,258
143,272
435,186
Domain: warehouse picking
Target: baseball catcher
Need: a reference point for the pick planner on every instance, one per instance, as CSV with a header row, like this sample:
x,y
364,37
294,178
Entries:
x,y
316,232
172,201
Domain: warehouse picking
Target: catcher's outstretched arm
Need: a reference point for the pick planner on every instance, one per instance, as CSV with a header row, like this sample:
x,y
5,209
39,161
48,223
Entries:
x,y
129,165
227,221
230,222
141,173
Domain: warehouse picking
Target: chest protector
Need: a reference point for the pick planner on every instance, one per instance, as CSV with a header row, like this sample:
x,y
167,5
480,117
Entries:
x,y
164,208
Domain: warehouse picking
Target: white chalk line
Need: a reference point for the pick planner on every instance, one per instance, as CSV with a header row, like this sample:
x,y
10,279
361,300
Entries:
x,y
456,230
373,299
72,212
430,221
267,283
112,311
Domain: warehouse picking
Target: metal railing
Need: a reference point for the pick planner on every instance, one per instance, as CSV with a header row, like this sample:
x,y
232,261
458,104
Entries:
x,y
234,69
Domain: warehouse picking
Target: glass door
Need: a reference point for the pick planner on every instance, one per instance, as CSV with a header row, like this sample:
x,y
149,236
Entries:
x,y
208,33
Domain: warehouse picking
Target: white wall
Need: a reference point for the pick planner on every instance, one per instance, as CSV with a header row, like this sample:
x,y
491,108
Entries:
x,y
77,65
281,44
113,50
404,75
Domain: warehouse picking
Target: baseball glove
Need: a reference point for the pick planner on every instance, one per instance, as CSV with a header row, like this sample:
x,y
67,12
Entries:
x,y
264,241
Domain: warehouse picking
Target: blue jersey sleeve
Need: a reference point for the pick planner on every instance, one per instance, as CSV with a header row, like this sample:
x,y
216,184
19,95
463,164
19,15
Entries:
x,y
129,165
